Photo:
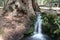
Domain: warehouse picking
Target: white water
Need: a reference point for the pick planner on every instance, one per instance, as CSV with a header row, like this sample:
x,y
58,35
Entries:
x,y
38,24
38,28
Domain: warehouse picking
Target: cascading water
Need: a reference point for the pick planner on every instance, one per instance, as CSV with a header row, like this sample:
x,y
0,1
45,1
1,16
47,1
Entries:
x,y
38,30
38,24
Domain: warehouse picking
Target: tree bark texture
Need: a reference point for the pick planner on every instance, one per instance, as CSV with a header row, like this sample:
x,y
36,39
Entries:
x,y
15,20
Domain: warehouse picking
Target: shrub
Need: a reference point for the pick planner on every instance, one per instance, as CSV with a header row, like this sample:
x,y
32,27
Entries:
x,y
50,25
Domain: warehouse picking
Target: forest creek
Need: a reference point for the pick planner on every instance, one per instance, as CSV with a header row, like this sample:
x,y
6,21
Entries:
x,y
24,20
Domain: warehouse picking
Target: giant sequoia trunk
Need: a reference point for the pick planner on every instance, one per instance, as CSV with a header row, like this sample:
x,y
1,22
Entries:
x,y
15,20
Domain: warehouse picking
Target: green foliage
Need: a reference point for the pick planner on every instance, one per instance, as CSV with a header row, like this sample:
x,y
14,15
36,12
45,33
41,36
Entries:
x,y
57,31
30,31
50,25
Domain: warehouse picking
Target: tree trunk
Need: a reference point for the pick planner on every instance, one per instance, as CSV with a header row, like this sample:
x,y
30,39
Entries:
x,y
25,5
15,20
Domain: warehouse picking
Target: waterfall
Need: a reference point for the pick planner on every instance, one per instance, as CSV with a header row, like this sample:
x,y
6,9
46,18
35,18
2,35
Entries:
x,y
38,23
38,28
38,35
